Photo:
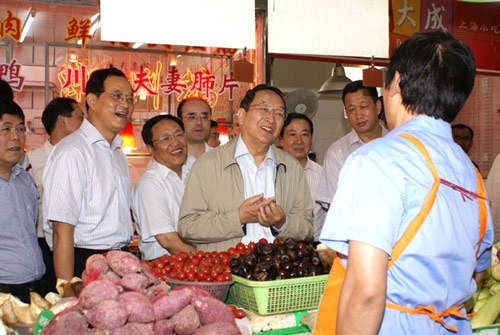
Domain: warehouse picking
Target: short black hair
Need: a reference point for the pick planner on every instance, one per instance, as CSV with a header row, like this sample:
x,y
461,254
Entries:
x,y
437,74
147,133
5,90
181,104
95,84
8,106
357,85
463,126
58,106
250,95
213,124
293,116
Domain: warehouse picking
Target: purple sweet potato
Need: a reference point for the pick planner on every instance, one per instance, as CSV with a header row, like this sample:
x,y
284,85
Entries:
x,y
110,275
164,327
97,291
167,305
122,262
186,321
212,310
97,331
96,263
135,282
108,314
218,328
157,290
198,292
134,328
138,307
70,322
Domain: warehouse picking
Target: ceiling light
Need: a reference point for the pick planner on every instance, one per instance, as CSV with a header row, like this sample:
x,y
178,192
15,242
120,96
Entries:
x,y
137,45
94,24
30,17
336,83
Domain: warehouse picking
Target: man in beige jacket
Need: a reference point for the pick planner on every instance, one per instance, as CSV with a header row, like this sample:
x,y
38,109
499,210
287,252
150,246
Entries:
x,y
248,189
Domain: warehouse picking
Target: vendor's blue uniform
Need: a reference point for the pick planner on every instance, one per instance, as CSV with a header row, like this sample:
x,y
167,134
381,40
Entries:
x,y
382,188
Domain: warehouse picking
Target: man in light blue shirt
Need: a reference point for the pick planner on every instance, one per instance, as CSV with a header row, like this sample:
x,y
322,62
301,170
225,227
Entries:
x,y
21,262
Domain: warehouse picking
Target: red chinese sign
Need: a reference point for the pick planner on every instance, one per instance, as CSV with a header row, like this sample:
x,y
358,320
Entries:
x,y
78,30
10,73
10,26
199,84
73,79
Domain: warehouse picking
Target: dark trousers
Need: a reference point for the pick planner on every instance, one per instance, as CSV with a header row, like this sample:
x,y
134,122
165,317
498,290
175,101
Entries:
x,y
50,276
22,291
81,256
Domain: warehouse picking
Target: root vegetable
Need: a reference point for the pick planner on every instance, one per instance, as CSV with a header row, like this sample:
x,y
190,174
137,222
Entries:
x,y
157,290
197,292
218,328
134,328
110,275
96,292
135,282
96,265
186,321
212,310
122,262
167,305
164,327
138,307
108,314
71,322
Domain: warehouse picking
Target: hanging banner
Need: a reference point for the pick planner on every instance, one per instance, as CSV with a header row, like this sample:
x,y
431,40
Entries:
x,y
11,73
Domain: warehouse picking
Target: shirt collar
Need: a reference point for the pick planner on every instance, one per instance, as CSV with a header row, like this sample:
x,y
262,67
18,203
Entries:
x,y
93,135
164,171
241,150
15,171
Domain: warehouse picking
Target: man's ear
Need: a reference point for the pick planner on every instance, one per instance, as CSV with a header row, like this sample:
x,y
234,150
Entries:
x,y
241,115
394,88
150,148
378,105
61,120
91,100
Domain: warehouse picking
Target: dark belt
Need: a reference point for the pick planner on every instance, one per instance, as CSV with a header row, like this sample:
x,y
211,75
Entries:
x,y
82,252
22,289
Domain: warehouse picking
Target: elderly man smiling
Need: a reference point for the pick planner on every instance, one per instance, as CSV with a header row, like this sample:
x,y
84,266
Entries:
x,y
158,193
247,189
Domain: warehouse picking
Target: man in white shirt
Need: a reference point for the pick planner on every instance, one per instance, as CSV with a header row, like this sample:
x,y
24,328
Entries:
x,y
157,194
195,115
61,117
86,196
296,138
247,189
362,109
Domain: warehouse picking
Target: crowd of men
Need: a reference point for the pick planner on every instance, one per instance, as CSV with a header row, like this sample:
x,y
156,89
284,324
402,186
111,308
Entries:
x,y
197,195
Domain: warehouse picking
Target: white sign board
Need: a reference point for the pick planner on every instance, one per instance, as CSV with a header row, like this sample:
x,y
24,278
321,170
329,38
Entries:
x,y
214,23
358,28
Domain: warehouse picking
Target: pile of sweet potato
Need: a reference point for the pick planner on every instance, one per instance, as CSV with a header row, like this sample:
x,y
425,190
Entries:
x,y
121,297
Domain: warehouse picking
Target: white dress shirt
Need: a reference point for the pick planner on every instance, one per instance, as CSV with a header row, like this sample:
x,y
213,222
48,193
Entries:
x,y
312,171
38,158
87,184
156,199
256,180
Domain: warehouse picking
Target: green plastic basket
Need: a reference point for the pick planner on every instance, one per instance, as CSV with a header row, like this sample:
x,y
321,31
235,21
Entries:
x,y
278,296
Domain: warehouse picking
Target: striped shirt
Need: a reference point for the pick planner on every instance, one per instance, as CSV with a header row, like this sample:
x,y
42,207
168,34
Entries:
x,y
20,256
87,184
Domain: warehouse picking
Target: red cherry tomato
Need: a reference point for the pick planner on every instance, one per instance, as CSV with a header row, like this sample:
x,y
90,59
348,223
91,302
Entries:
x,y
232,308
251,245
240,314
263,240
219,278
227,276
240,247
231,251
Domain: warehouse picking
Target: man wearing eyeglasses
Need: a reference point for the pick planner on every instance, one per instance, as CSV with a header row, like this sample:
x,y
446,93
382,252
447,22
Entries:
x,y
195,115
86,196
157,194
21,262
247,189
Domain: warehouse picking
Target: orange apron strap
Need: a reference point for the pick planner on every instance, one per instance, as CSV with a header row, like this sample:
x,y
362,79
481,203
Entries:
x,y
483,212
429,311
326,319
417,222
